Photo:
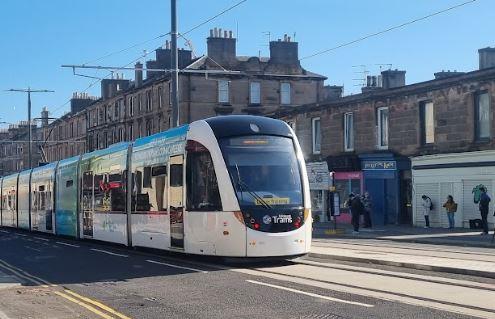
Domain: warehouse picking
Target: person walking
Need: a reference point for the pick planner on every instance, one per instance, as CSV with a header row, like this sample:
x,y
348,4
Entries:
x,y
368,204
357,209
484,206
451,208
426,203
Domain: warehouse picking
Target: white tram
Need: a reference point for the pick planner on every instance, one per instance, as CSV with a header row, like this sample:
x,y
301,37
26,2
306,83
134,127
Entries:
x,y
232,186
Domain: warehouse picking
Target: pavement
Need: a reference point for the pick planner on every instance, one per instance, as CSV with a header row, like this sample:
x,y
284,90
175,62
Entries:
x,y
400,233
62,278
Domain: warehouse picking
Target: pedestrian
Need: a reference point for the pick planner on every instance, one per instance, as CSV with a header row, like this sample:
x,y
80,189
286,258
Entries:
x,y
450,208
426,209
368,204
484,206
357,209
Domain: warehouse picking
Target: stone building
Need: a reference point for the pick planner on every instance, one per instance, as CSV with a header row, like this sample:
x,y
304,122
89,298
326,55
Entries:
x,y
444,126
218,83
14,148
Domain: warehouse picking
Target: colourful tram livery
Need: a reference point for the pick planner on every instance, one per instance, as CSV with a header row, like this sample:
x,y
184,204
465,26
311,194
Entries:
x,y
228,186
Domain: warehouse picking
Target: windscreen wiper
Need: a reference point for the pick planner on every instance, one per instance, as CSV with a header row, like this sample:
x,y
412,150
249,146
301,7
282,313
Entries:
x,y
242,185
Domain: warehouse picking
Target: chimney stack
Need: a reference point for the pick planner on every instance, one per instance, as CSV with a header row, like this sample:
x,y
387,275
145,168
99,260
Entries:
x,y
284,51
222,46
393,78
487,58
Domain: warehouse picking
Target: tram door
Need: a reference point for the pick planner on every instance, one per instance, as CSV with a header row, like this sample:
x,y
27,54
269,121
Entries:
x,y
176,202
87,204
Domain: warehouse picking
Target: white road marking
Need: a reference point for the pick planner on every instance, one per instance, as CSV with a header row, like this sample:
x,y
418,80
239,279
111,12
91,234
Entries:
x,y
40,238
109,252
38,250
67,244
7,232
311,294
176,266
23,235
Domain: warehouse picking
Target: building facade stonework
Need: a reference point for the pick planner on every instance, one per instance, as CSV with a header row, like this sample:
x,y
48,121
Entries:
x,y
368,141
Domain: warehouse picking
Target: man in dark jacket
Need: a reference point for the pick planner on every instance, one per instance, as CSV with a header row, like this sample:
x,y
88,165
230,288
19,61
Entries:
x,y
484,206
357,209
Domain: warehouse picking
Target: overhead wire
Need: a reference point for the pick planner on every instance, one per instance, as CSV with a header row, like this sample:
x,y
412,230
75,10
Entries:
x,y
93,83
389,29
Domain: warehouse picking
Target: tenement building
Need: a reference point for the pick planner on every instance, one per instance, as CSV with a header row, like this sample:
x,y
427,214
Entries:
x,y
218,83
399,142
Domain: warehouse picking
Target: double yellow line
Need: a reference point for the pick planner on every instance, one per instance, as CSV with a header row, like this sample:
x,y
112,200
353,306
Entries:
x,y
94,306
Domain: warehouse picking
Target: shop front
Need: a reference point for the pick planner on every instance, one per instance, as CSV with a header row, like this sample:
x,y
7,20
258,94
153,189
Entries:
x,y
344,184
386,178
455,174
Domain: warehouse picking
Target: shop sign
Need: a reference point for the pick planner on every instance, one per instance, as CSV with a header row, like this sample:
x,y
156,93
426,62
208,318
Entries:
x,y
318,175
380,165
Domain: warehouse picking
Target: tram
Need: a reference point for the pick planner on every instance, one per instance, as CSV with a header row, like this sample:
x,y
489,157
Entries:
x,y
233,186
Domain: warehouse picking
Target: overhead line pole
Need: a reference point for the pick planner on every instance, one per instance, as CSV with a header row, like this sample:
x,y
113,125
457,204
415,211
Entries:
x,y
30,129
174,65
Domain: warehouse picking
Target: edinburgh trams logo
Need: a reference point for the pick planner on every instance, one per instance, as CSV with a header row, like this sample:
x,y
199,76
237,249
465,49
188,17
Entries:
x,y
267,219
282,219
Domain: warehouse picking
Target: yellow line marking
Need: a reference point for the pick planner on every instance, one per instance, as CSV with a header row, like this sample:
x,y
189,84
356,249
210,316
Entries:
x,y
82,304
98,304
43,283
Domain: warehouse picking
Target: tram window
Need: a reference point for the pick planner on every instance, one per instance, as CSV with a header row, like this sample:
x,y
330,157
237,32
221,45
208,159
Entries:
x,y
152,195
147,177
69,183
176,173
202,185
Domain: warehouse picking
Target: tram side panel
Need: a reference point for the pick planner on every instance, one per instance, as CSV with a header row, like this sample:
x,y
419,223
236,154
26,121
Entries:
x,y
9,201
42,198
23,200
151,223
103,195
66,195
212,221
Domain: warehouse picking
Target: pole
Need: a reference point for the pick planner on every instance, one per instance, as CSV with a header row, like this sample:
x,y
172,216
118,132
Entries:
x,y
30,137
174,65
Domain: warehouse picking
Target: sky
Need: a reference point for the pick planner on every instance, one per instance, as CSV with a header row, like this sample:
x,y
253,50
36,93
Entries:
x,y
38,36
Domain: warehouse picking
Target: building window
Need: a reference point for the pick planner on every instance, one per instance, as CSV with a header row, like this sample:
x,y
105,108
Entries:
x,y
131,133
132,101
169,93
140,104
348,132
149,101
149,128
382,127
116,111
316,135
223,91
427,122
255,92
285,93
483,116
160,97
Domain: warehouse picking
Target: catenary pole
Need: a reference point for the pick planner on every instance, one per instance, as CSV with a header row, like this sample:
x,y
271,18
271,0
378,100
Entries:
x,y
174,65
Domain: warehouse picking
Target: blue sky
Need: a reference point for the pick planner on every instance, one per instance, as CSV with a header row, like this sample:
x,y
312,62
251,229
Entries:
x,y
39,36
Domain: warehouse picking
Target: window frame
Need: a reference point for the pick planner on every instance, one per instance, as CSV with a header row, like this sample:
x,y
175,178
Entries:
x,y
349,132
313,135
225,91
423,122
258,90
379,126
285,93
477,125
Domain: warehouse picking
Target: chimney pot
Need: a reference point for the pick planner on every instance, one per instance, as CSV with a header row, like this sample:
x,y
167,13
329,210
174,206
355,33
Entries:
x,y
231,34
211,33
285,37
219,32
215,31
225,34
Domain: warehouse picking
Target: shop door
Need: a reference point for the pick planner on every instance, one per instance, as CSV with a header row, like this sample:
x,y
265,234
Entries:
x,y
376,188
405,213
176,182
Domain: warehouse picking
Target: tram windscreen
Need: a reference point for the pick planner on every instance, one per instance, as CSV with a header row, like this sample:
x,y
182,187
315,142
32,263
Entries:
x,y
266,177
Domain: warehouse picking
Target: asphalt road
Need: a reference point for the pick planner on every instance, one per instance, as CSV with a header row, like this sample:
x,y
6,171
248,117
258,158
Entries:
x,y
49,277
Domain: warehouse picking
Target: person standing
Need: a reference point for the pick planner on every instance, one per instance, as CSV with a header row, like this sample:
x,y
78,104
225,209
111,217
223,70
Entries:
x,y
451,208
368,204
357,209
484,206
426,203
